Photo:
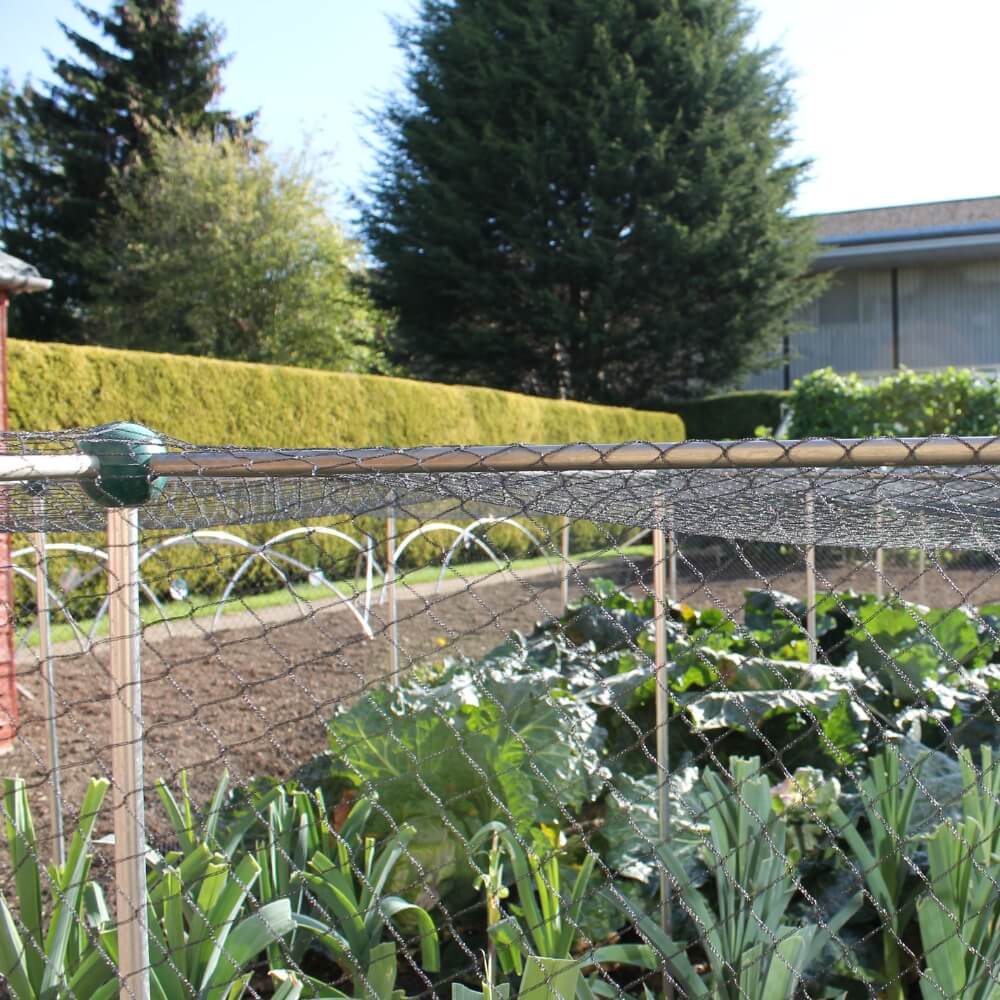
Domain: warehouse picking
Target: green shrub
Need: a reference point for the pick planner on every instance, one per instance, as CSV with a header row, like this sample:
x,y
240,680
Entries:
x,y
56,386
954,401
732,416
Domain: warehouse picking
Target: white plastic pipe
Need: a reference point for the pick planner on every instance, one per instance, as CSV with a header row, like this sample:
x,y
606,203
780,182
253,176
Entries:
x,y
566,567
672,560
811,579
43,621
660,601
390,586
879,558
28,468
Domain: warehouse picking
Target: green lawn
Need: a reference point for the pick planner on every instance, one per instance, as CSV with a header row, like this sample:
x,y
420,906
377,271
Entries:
x,y
205,607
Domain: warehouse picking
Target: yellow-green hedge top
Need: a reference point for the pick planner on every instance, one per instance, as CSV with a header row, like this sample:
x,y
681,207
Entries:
x,y
57,386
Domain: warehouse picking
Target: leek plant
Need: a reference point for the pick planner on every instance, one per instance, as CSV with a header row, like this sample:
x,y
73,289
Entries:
x,y
888,801
959,917
347,882
202,940
333,881
751,949
547,927
543,979
74,954
380,976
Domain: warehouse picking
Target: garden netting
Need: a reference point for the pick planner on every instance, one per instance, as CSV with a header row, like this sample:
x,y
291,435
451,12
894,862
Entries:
x,y
577,722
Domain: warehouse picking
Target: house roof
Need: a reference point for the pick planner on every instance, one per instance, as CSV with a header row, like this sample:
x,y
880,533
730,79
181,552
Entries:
x,y
930,215
17,276
897,235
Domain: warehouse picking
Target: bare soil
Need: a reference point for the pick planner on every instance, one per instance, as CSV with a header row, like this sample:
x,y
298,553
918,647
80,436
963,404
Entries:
x,y
253,701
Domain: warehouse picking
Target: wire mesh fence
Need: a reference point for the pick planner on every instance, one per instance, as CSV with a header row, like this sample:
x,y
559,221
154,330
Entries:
x,y
388,724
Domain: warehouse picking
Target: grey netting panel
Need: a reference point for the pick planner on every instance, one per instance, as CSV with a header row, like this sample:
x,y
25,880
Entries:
x,y
904,506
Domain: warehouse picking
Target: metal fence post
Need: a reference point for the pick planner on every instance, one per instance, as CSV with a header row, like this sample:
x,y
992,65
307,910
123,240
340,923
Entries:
x,y
879,558
390,585
662,704
43,620
811,577
672,561
127,767
564,551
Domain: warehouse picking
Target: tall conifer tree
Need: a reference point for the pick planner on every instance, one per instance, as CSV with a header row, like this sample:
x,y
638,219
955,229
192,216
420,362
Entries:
x,y
65,140
588,198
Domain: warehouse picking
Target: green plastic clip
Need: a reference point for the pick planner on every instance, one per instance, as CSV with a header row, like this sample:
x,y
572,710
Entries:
x,y
124,451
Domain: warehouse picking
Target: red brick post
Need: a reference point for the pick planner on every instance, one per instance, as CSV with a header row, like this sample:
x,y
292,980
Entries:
x,y
8,673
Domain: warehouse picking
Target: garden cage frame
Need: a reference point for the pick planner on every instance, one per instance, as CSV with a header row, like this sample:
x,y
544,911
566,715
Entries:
x,y
876,493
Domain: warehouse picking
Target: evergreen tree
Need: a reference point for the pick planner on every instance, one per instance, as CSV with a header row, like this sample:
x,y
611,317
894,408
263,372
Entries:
x,y
588,198
21,144
65,141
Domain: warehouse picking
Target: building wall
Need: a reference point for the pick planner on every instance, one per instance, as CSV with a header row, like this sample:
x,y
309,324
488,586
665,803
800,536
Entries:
x,y
772,378
948,315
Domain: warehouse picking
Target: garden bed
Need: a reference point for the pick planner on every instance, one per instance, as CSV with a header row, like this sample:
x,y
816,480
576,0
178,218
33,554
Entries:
x,y
253,700
553,730
256,699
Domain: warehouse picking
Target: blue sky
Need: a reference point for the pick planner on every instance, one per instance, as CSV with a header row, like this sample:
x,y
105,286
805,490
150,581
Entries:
x,y
895,98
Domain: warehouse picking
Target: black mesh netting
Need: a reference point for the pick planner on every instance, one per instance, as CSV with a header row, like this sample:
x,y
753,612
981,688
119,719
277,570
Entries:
x,y
712,720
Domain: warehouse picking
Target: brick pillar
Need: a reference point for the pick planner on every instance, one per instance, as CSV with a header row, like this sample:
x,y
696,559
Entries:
x,y
8,677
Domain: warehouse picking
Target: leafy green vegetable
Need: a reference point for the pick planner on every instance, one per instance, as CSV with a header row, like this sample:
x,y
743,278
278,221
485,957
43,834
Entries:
x,y
468,743
908,646
762,609
494,742
631,825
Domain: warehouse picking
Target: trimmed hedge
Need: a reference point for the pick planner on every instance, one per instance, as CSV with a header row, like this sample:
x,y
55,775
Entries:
x,y
732,416
57,386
